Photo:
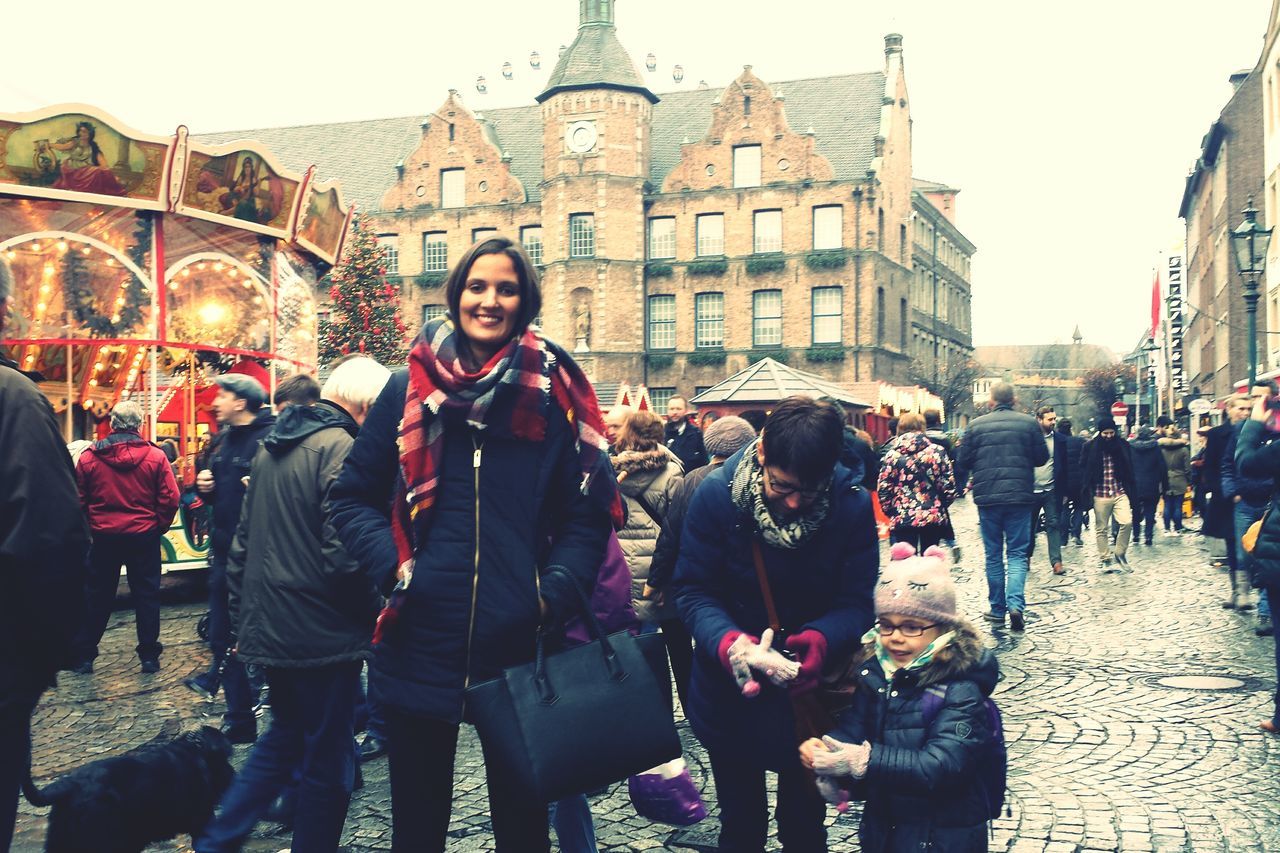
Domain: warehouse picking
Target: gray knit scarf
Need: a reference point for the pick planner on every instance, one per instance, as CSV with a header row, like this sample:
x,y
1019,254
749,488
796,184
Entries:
x,y
747,491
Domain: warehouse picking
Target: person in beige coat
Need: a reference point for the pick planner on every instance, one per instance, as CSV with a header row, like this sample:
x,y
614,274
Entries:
x,y
647,475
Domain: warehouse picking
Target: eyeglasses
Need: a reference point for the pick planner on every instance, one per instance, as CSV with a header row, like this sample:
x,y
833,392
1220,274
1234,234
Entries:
x,y
907,630
784,490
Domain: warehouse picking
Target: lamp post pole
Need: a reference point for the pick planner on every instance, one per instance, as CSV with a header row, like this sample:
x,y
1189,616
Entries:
x,y
1250,241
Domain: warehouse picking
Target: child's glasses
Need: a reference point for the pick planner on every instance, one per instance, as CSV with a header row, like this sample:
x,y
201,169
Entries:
x,y
907,630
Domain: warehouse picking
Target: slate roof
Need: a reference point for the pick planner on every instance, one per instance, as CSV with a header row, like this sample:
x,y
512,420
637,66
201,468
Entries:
x,y
844,112
768,381
596,58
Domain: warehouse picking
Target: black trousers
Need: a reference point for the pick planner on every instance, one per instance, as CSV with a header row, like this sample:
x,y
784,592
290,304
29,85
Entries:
x,y
139,553
420,754
744,808
680,651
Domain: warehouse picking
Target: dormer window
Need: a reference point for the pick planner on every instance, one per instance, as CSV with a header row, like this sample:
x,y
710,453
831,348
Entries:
x,y
746,166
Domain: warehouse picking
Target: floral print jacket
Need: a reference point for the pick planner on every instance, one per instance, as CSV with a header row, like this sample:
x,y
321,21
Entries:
x,y
916,482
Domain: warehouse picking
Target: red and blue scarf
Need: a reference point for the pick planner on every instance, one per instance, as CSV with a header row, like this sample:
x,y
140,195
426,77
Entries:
x,y
523,382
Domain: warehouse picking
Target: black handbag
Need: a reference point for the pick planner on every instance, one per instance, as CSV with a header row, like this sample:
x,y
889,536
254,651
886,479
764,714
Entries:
x,y
579,719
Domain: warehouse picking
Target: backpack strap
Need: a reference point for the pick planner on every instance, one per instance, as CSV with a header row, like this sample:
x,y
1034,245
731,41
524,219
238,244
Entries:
x,y
931,703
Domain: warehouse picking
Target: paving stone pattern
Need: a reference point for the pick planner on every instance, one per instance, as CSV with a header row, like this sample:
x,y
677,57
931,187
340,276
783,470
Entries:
x,y
1104,756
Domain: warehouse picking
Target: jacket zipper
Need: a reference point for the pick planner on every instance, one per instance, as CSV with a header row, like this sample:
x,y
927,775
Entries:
x,y
475,575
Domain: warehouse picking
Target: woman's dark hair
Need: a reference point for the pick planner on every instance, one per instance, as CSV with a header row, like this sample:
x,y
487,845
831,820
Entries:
x,y
93,140
526,275
803,436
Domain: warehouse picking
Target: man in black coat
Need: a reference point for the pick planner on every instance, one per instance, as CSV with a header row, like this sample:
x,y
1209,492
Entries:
x,y
1108,480
243,422
1219,520
1151,479
1001,451
1073,509
683,438
43,543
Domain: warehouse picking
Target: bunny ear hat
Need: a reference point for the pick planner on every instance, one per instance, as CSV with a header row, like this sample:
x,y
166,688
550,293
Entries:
x,y
917,586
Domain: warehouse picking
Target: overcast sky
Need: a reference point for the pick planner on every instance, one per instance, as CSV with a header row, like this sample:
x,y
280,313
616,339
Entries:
x,y
1068,127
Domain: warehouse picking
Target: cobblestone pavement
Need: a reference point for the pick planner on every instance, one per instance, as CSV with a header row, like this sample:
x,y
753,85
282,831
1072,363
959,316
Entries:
x,y
1105,753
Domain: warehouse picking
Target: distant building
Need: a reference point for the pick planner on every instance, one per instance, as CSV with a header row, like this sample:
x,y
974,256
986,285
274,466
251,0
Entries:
x,y
1227,173
941,298
681,236
1269,70
1043,375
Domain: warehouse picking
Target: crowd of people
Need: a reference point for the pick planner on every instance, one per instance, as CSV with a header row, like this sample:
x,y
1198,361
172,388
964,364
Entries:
x,y
432,521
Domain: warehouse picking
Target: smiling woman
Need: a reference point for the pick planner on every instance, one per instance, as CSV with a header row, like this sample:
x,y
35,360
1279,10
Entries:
x,y
500,506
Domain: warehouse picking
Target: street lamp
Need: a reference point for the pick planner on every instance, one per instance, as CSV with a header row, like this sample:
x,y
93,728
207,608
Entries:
x,y
1250,242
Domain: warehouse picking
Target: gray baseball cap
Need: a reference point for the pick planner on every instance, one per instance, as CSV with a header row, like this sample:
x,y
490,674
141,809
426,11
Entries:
x,y
245,387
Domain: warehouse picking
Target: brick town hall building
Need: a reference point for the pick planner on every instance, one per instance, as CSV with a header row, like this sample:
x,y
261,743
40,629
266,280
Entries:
x,y
681,236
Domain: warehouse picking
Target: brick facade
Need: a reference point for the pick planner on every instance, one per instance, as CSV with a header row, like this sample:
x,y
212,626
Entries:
x,y
601,305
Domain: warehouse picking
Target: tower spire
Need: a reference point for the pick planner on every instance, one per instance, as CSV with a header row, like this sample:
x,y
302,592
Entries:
x,y
595,12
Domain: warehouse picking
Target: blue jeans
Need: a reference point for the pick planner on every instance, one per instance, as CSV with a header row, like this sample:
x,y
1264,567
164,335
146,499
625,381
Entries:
x,y
571,818
1008,525
1245,514
1173,512
312,714
235,682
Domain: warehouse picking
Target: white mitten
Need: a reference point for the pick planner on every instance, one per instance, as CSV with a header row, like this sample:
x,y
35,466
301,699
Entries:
x,y
842,759
769,663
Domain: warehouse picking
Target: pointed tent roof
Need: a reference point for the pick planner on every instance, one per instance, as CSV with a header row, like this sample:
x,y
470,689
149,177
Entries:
x,y
769,381
596,59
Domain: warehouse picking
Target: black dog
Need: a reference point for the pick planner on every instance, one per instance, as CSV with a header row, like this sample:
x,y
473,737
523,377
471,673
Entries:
x,y
150,793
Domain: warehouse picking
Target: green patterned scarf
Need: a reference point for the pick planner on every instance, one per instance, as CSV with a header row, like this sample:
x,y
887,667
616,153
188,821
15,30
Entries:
x,y
890,666
747,490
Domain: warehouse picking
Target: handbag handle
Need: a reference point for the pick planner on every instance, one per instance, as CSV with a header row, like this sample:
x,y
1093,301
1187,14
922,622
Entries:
x,y
542,683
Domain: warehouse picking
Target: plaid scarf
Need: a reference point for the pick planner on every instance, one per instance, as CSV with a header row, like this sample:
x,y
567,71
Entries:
x,y
509,395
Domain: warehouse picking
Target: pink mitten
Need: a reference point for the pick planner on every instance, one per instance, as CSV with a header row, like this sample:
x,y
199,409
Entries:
x,y
831,791
811,648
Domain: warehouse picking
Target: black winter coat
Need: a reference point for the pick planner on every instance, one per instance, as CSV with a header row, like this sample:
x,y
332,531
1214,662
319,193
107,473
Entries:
x,y
231,460
500,536
1150,471
1001,450
1218,521
922,790
1257,457
43,542
297,599
1074,451
1092,468
827,584
687,446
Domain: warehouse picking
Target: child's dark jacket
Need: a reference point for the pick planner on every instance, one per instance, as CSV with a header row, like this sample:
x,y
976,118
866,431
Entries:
x,y
922,788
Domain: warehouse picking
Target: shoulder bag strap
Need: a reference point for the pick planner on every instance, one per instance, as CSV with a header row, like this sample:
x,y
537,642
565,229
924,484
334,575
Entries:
x,y
648,508
757,556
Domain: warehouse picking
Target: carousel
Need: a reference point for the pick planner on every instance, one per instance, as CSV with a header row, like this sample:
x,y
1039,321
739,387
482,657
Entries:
x,y
144,266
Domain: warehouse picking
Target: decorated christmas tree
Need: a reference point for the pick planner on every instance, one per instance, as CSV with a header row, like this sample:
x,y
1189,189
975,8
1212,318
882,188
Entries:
x,y
365,313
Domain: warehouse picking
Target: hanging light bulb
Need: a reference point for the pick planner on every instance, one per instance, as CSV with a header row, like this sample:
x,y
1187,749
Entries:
x,y
480,85
507,73
677,73
535,60
651,62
